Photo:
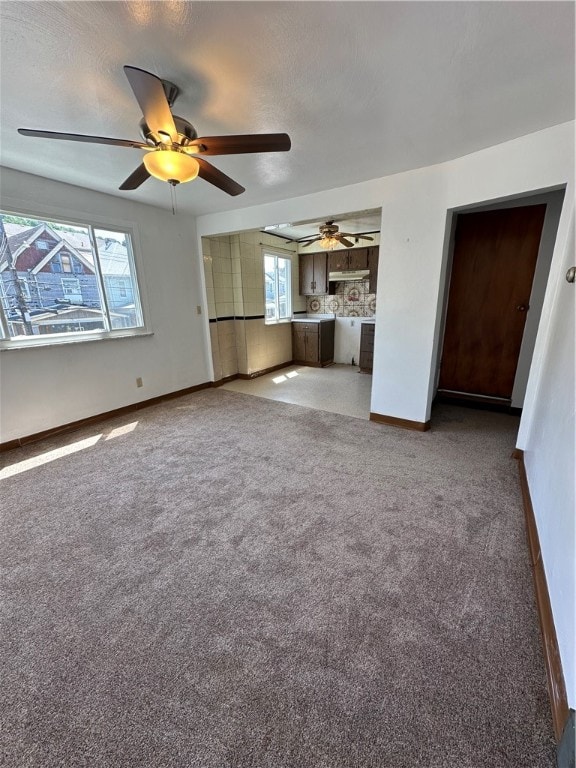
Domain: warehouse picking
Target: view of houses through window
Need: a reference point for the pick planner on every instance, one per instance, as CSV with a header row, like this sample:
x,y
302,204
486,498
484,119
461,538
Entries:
x,y
60,278
277,285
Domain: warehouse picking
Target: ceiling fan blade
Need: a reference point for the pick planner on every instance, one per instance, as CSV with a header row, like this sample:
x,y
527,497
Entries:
x,y
304,243
237,145
356,237
150,95
211,174
345,242
82,137
135,179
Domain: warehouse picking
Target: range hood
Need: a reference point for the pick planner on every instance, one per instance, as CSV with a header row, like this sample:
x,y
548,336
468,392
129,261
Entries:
x,y
351,274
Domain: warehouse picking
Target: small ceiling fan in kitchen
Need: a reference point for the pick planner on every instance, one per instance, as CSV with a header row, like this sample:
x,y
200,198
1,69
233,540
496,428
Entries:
x,y
330,236
173,150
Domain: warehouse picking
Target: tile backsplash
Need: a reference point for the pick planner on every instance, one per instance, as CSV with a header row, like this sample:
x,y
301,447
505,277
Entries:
x,y
352,299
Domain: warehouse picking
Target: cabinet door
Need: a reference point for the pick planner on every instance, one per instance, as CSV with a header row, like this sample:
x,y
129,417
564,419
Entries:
x,y
312,346
338,261
366,360
373,267
306,262
366,346
358,258
320,273
298,342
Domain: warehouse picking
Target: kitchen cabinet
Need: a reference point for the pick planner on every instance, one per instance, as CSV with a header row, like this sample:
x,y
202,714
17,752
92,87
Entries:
x,y
366,347
351,259
313,268
373,267
313,342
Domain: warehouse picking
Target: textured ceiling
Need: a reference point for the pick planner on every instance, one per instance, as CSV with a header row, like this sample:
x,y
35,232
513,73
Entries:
x,y
363,89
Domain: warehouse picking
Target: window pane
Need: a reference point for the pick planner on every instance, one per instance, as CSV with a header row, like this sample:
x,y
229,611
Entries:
x,y
277,281
283,287
270,283
37,296
115,258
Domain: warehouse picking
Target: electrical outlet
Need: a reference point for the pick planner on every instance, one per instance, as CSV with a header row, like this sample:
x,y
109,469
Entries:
x,y
198,309
139,382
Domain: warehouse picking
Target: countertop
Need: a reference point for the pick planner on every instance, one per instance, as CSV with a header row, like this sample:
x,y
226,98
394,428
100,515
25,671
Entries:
x,y
313,319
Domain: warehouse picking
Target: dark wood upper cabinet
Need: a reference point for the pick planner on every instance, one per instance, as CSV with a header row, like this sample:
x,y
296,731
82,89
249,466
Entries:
x,y
358,258
354,258
337,261
321,273
313,273
306,270
315,267
373,252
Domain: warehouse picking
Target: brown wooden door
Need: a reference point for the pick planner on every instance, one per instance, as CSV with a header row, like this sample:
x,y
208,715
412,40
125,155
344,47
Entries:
x,y
495,256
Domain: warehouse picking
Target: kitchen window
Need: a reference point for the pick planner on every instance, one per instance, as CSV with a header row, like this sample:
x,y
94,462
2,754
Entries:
x,y
277,286
70,292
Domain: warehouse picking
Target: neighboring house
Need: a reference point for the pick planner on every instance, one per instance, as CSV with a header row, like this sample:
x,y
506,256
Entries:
x,y
55,271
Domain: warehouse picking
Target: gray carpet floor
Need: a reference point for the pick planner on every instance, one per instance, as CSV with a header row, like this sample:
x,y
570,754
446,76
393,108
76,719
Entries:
x,y
233,582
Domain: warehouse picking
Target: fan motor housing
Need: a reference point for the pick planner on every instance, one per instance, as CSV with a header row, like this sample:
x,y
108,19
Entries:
x,y
186,132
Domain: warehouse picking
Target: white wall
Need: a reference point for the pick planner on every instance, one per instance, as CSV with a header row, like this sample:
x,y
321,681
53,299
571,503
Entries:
x,y
413,256
548,440
347,340
44,387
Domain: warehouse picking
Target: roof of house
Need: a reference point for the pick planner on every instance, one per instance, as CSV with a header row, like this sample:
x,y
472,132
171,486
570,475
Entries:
x,y
113,254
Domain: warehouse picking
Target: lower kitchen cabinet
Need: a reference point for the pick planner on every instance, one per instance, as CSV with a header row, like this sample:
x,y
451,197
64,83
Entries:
x,y
313,342
366,347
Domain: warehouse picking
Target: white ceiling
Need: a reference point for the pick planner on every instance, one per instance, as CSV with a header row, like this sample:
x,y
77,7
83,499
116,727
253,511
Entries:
x,y
363,89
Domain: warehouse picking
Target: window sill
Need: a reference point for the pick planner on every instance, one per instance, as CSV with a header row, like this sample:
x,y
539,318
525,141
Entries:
x,y
35,344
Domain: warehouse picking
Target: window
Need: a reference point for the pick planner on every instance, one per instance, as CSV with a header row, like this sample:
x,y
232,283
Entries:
x,y
25,288
277,284
42,245
71,289
76,293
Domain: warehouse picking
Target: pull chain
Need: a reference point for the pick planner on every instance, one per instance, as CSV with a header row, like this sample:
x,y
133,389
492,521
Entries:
x,y
173,198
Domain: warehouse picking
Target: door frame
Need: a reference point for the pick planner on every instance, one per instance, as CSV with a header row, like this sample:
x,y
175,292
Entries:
x,y
553,197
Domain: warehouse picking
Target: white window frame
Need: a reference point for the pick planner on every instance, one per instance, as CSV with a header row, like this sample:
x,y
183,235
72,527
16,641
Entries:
x,y
25,288
275,254
126,229
71,286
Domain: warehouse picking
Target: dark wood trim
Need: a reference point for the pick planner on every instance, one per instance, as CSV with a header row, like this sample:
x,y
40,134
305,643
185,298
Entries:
x,y
552,661
498,405
225,380
74,425
256,374
419,426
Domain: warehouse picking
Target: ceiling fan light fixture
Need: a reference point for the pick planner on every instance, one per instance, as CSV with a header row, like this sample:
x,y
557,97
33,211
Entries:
x,y
171,165
328,243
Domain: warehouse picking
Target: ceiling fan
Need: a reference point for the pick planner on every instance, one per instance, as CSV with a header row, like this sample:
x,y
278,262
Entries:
x,y
174,153
331,236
